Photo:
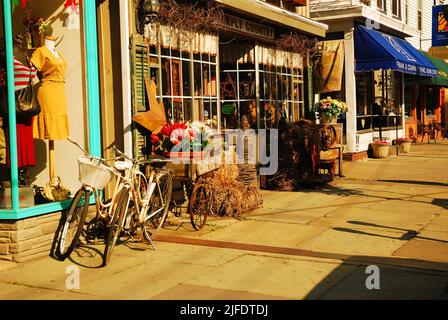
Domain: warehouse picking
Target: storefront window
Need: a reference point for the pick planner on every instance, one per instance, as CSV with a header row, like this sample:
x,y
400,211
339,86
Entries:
x,y
188,73
281,87
381,109
238,84
57,58
280,80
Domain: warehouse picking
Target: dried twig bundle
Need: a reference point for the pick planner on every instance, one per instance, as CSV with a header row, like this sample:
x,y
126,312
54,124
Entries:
x,y
192,17
295,42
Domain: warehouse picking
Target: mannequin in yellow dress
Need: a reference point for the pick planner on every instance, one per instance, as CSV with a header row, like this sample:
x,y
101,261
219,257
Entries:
x,y
52,123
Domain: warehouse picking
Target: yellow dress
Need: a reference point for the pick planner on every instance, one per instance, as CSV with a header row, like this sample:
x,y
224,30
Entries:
x,y
52,123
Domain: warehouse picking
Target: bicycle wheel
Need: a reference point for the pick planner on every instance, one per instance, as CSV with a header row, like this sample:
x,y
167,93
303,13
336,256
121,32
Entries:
x,y
198,206
116,224
160,201
74,223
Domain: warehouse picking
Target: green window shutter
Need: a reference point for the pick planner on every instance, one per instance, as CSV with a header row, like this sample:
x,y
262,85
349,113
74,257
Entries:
x,y
140,69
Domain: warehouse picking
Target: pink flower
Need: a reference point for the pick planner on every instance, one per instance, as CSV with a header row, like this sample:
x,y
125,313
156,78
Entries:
x,y
178,135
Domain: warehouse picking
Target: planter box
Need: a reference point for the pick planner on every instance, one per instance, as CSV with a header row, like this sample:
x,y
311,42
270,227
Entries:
x,y
380,150
405,146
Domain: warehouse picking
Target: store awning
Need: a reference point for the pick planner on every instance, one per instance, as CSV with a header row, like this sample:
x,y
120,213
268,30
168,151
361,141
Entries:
x,y
442,77
375,50
266,11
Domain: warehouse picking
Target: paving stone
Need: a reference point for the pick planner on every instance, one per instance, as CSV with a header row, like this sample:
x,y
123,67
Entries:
x,y
355,242
265,233
435,250
394,284
292,279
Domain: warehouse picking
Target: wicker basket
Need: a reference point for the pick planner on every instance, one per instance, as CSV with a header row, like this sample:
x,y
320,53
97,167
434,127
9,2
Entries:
x,y
94,173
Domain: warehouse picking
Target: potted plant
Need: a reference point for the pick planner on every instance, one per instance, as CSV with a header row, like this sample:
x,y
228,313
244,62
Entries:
x,y
380,148
405,144
330,109
184,140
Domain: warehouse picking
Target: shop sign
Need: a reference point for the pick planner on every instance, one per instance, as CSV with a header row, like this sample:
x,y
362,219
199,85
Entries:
x,y
439,52
248,27
440,26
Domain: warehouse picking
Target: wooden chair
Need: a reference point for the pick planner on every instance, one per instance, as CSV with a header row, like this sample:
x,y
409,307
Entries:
x,y
423,129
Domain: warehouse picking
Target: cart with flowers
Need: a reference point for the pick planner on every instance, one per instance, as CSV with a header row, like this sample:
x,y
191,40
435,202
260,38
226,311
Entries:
x,y
195,151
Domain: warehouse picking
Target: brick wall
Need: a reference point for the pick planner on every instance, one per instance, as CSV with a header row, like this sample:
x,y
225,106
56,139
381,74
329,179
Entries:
x,y
27,239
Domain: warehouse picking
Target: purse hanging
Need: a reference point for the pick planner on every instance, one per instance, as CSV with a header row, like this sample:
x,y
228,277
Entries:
x,y
26,101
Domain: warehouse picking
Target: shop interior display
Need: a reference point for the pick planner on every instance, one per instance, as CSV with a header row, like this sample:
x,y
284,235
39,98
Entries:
x,y
39,68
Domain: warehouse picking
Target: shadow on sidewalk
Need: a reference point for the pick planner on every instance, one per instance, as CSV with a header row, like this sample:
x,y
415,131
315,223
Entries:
x,y
424,183
408,235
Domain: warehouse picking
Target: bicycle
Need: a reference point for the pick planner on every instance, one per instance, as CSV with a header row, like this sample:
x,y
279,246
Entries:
x,y
132,192
144,203
95,175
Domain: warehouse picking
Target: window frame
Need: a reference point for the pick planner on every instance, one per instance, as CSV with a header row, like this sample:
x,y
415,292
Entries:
x,y
398,14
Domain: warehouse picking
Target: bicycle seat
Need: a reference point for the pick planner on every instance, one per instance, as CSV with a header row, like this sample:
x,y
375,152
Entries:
x,y
123,165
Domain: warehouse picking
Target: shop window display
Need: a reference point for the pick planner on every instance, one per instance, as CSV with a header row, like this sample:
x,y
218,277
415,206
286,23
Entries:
x,y
46,53
279,79
379,99
188,73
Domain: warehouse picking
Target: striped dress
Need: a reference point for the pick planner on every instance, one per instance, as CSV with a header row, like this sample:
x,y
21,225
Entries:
x,y
25,141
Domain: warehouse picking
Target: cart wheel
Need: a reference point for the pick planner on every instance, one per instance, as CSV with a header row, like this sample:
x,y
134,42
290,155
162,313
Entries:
x,y
198,206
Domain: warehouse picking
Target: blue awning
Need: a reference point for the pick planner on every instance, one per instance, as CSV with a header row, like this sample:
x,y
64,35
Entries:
x,y
375,50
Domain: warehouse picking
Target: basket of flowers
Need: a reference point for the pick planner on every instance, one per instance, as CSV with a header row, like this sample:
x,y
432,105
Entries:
x,y
182,140
330,109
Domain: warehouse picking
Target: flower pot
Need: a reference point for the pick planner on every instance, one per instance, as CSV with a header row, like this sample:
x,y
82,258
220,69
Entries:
x,y
380,150
328,119
185,155
405,145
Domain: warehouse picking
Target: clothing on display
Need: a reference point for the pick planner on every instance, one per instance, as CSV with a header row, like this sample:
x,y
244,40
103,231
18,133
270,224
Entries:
x,y
52,123
24,125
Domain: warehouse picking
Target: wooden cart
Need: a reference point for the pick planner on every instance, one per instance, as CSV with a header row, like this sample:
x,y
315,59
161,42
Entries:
x,y
189,186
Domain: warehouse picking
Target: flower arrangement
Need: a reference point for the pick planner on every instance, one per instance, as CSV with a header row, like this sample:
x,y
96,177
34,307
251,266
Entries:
x,y
331,107
181,136
405,140
382,142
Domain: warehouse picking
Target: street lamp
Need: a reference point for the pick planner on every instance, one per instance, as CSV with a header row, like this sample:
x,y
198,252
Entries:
x,y
146,13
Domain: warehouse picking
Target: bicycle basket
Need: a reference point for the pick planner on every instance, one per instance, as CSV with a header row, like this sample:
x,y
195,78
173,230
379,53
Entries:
x,y
94,173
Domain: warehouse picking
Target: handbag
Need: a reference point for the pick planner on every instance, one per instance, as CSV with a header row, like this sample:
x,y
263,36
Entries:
x,y
55,190
26,101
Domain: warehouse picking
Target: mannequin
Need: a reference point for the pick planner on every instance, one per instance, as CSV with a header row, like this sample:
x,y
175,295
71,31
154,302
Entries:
x,y
52,122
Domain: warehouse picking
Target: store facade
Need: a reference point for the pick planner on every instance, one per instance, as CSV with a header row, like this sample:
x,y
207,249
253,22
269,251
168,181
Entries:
x,y
375,64
34,148
425,101
217,77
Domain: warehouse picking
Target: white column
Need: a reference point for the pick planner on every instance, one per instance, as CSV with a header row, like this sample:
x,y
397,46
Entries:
x,y
126,76
350,90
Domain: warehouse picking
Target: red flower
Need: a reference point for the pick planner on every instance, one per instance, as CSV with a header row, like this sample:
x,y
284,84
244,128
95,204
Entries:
x,y
155,139
167,129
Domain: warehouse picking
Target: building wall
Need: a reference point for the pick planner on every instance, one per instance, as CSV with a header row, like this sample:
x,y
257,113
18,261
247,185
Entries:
x,y
423,40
